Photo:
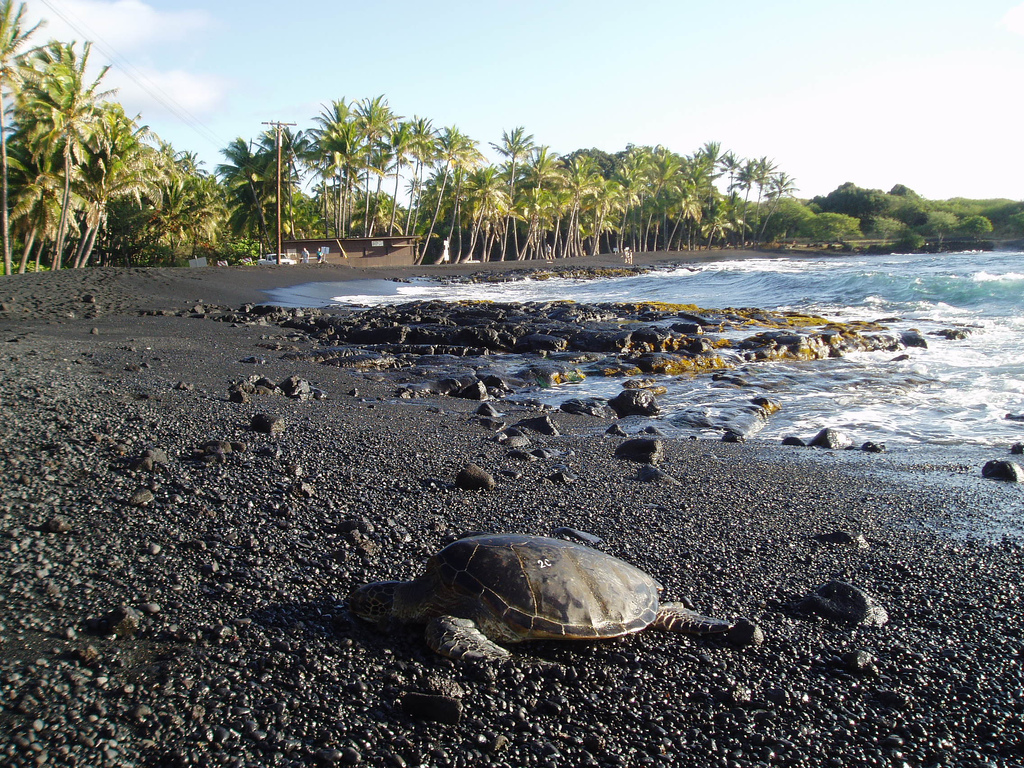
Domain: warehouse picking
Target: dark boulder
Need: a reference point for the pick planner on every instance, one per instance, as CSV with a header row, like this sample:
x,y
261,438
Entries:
x,y
541,342
561,476
296,387
745,632
1001,469
542,425
747,419
267,424
651,474
449,386
512,438
588,407
122,621
913,338
57,524
635,402
844,602
601,341
496,383
953,334
475,390
474,478
488,410
644,450
832,439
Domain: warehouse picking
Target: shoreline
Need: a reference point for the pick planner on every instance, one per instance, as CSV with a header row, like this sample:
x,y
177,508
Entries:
x,y
121,290
130,477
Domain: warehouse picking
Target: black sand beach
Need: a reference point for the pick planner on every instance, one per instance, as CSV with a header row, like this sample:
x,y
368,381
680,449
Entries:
x,y
174,580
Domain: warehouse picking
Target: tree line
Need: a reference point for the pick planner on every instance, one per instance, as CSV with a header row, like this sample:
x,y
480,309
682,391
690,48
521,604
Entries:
x,y
84,183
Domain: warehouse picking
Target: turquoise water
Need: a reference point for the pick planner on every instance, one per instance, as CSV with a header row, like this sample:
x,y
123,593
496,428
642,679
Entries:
x,y
954,392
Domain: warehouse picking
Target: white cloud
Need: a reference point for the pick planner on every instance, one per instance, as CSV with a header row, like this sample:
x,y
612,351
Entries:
x,y
149,51
1014,20
118,25
155,93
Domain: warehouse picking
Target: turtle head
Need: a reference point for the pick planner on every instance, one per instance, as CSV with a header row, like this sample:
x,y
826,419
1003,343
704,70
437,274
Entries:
x,y
375,602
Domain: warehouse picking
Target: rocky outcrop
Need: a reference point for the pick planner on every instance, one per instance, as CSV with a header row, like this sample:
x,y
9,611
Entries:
x,y
655,338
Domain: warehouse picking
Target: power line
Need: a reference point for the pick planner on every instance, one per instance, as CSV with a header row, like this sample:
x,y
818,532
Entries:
x,y
137,76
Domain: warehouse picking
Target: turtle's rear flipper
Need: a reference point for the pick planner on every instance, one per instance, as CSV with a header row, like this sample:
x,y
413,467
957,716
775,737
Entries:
x,y
460,639
676,617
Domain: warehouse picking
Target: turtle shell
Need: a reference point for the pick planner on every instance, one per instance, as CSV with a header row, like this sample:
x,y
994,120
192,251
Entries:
x,y
535,587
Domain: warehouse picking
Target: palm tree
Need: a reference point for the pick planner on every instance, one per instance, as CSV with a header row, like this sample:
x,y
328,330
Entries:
x,y
244,174
299,154
36,188
582,178
191,209
763,170
400,143
121,165
730,164
487,200
337,139
688,200
514,147
374,118
543,174
746,178
64,108
609,198
423,148
664,172
633,175
717,221
781,185
13,37
455,149
465,160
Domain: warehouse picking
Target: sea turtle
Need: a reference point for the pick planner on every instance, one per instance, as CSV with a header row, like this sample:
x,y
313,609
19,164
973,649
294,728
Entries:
x,y
482,591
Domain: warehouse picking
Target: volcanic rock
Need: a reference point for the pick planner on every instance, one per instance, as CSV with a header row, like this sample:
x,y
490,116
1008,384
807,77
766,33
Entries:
x,y
1001,469
474,478
832,439
267,424
645,450
843,602
635,402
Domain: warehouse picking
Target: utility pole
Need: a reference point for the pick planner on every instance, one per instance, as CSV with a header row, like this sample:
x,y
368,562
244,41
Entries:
x,y
277,128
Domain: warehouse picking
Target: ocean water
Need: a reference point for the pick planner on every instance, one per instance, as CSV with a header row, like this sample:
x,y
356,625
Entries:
x,y
955,392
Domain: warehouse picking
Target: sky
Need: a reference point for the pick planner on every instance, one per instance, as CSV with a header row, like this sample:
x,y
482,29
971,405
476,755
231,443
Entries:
x,y
926,93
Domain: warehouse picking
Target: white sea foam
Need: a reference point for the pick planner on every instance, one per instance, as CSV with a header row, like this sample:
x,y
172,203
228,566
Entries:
x,y
988,277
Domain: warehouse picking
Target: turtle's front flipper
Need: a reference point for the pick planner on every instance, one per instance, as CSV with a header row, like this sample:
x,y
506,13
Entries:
x,y
460,639
676,617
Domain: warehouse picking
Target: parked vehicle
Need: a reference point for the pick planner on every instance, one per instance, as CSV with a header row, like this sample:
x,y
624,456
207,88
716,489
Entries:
x,y
271,258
